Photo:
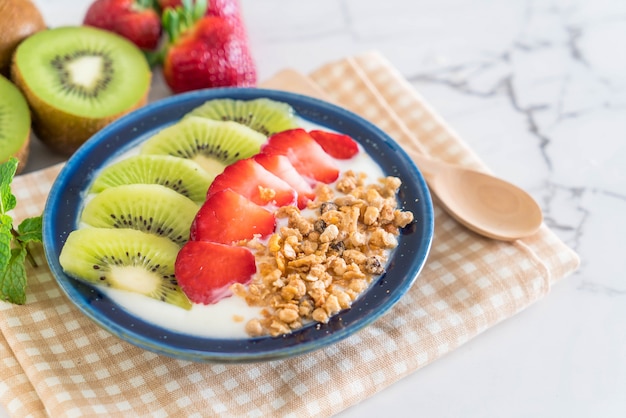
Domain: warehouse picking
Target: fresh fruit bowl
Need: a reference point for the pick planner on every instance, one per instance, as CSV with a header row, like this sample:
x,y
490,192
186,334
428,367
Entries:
x,y
67,199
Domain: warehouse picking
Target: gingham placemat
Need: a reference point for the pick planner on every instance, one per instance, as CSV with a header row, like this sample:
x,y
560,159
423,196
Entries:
x,y
55,362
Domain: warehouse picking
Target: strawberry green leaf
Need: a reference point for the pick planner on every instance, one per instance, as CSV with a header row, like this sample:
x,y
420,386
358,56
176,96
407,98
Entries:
x,y
13,278
155,58
146,4
199,9
177,21
170,22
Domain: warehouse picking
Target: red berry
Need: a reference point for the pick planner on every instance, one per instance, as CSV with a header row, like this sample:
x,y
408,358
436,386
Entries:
x,y
139,24
213,52
228,217
306,155
250,179
337,145
205,270
280,166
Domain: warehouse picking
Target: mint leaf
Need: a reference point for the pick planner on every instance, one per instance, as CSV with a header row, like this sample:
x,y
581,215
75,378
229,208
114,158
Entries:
x,y
13,280
14,244
30,230
6,224
7,171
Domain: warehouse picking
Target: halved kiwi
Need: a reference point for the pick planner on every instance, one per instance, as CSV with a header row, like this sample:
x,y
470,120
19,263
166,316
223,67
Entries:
x,y
77,80
263,115
181,175
149,208
14,124
124,259
212,144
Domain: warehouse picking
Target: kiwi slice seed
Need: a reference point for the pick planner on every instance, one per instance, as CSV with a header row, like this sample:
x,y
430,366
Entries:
x,y
212,144
78,79
14,124
181,175
263,115
124,259
149,208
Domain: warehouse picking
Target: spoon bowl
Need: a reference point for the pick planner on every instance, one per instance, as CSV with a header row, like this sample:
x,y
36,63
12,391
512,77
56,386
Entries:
x,y
485,204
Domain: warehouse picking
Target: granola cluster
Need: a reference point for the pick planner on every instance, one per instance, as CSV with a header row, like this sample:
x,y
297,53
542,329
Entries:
x,y
324,257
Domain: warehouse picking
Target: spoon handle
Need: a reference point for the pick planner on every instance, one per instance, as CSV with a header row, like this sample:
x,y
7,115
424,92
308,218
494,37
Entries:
x,y
428,166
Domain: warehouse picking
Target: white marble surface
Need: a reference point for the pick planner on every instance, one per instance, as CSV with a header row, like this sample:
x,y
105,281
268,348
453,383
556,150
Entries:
x,y
538,89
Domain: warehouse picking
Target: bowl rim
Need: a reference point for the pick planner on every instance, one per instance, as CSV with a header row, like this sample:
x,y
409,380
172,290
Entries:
x,y
341,326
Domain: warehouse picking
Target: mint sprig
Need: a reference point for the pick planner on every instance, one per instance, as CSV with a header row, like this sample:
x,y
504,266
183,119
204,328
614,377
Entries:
x,y
14,242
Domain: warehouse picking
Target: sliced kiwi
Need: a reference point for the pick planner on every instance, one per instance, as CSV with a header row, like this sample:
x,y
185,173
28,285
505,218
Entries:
x,y
77,79
263,115
124,259
181,175
149,208
14,124
212,144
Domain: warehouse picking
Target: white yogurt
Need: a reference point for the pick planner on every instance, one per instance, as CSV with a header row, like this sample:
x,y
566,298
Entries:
x,y
228,317
225,319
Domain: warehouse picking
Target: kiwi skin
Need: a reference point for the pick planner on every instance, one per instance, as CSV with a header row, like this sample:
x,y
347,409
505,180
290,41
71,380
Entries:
x,y
18,20
61,131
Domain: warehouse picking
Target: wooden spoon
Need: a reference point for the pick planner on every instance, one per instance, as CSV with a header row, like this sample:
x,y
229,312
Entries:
x,y
481,202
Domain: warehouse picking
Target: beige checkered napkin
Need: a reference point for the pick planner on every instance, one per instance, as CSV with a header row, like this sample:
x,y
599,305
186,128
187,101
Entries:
x,y
57,363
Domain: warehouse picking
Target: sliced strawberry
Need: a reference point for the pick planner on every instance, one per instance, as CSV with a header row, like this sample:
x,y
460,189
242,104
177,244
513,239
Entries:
x,y
280,166
205,270
227,217
306,155
250,179
336,145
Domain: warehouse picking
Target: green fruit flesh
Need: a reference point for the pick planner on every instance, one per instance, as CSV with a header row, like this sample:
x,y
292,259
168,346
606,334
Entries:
x,y
124,259
83,71
14,120
263,115
179,174
212,144
149,208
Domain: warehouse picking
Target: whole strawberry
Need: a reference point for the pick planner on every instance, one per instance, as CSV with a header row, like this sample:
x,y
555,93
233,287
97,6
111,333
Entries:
x,y
219,8
205,51
135,20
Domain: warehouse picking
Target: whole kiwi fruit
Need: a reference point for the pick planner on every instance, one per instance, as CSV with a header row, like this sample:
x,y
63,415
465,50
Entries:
x,y
18,20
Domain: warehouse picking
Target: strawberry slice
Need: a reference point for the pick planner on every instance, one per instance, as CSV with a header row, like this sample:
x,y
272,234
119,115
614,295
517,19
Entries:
x,y
227,217
280,166
336,145
208,282
306,155
250,179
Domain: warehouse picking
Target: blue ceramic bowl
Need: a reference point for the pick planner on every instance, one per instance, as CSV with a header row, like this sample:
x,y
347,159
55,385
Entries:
x,y
65,201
